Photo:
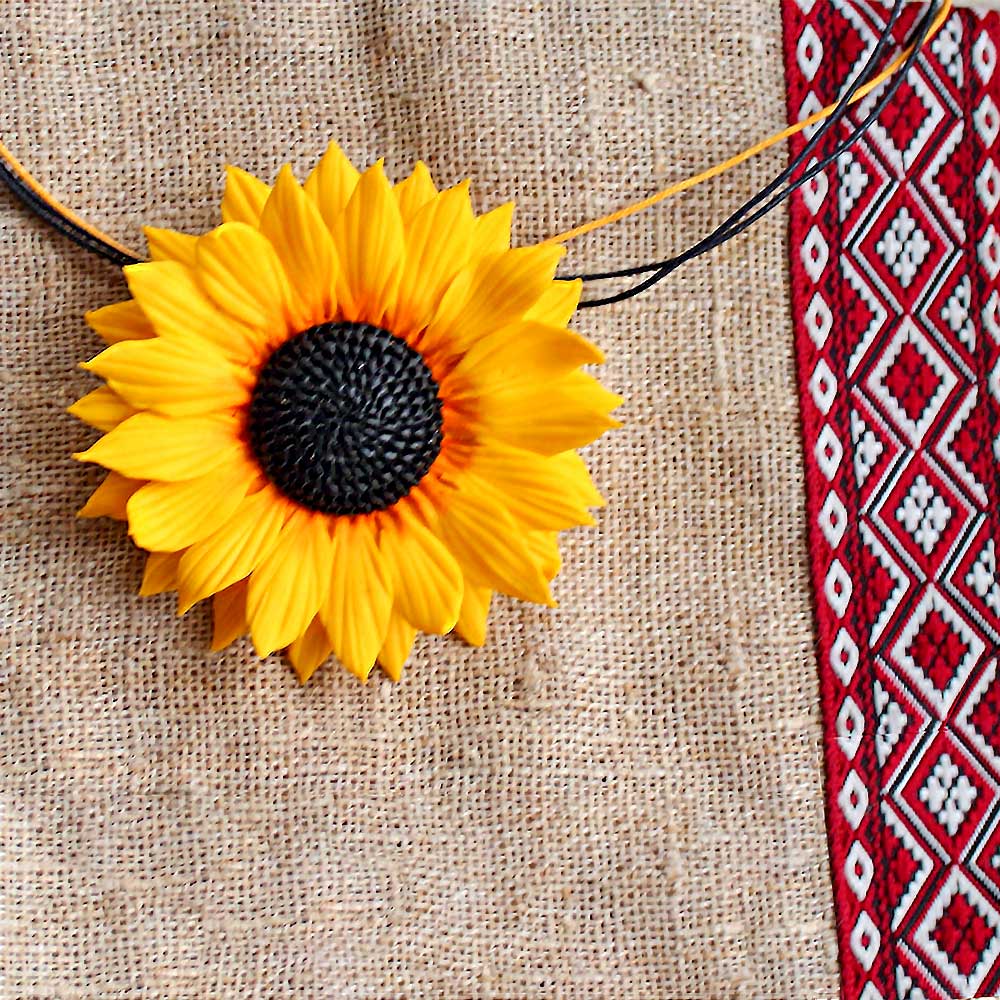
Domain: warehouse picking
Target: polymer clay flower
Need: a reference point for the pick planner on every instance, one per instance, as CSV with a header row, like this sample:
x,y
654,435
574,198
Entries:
x,y
346,415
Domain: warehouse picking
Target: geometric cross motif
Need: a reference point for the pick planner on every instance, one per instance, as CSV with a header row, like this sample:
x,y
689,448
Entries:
x,y
867,447
894,254
937,649
853,181
982,578
918,112
956,312
948,794
912,381
892,722
924,514
961,929
904,247
947,46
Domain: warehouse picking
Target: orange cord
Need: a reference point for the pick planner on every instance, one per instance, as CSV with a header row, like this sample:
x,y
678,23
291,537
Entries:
x,y
587,227
57,206
721,168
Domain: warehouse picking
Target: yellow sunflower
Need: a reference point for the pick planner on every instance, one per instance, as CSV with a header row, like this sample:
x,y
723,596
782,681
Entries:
x,y
346,415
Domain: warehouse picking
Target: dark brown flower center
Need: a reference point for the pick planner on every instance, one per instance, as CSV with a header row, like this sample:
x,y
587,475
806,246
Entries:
x,y
345,418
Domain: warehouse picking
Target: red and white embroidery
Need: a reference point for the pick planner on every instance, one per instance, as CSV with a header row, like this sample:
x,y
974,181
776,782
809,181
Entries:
x,y
895,257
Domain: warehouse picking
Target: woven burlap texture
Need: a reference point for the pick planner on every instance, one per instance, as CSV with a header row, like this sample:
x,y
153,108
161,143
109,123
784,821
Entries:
x,y
619,798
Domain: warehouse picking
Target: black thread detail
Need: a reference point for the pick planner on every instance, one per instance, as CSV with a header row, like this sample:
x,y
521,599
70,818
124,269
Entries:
x,y
345,418
69,229
739,221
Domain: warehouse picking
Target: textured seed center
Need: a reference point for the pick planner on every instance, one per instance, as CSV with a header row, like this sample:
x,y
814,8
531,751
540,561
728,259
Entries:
x,y
345,418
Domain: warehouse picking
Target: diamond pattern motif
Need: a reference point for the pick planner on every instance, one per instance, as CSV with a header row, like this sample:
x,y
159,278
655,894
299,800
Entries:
x,y
937,650
912,380
904,247
982,578
961,930
948,794
896,288
924,514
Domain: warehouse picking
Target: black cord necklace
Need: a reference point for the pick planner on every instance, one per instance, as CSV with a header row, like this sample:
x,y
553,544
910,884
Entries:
x,y
25,188
740,220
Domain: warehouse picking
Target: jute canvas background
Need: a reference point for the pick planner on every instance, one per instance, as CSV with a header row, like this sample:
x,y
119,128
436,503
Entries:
x,y
620,798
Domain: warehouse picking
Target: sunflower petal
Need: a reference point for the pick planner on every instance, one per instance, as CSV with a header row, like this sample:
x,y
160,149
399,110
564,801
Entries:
x,y
288,587
235,550
488,544
557,303
240,271
103,408
175,378
356,610
524,351
414,192
397,646
168,244
309,651
331,183
492,232
576,479
426,579
544,548
111,497
172,516
539,492
369,239
229,615
501,289
178,309
151,446
475,610
244,197
549,418
120,321
439,334
160,574
291,221
437,248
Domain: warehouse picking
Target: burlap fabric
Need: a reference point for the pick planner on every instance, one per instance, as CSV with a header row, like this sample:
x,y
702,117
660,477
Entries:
x,y
621,798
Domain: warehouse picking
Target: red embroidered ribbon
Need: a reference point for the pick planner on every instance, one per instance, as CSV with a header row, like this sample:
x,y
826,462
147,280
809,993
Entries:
x,y
895,259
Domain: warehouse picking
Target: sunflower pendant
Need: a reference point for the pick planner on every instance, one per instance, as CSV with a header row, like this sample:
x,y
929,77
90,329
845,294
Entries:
x,y
346,415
